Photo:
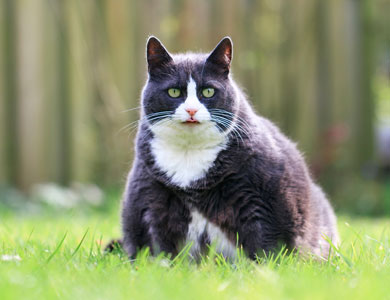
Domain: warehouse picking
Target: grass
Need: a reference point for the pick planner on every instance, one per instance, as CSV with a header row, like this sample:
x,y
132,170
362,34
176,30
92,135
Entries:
x,y
58,254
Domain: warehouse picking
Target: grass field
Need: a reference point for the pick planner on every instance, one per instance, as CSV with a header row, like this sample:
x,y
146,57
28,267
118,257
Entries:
x,y
58,254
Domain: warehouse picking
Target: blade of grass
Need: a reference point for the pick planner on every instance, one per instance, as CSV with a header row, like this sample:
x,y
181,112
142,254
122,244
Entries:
x,y
79,245
183,254
57,248
29,236
346,259
92,244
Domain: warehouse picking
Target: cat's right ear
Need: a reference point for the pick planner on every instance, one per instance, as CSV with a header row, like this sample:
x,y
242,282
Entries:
x,y
157,56
221,57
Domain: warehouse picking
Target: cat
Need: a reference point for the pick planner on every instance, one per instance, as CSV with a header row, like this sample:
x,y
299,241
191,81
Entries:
x,y
209,171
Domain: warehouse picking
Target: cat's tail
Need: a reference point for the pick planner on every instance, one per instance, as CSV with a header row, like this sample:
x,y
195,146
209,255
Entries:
x,y
114,245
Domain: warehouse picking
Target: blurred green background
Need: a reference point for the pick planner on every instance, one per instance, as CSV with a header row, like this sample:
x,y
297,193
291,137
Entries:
x,y
71,70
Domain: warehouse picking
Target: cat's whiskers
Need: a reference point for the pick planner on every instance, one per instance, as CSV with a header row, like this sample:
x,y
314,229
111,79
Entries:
x,y
235,124
222,119
218,124
177,134
158,123
232,129
131,109
129,126
150,117
227,113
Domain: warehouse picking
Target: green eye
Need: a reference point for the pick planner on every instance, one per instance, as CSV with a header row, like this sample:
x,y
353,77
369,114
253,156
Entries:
x,y
174,93
208,92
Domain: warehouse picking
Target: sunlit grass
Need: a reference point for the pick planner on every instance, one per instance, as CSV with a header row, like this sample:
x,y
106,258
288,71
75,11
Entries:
x,y
60,255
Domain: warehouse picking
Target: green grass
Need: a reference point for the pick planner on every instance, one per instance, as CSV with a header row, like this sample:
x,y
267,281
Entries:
x,y
61,257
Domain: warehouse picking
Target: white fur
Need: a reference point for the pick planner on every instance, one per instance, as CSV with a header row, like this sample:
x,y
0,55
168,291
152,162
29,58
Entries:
x,y
198,226
192,102
185,152
195,230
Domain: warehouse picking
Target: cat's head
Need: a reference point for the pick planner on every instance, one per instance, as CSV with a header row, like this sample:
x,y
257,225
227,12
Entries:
x,y
189,92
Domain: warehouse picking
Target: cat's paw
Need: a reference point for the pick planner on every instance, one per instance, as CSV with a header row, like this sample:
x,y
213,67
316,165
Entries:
x,y
114,246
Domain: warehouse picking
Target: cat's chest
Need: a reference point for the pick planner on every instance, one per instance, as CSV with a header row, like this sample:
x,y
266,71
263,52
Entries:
x,y
183,165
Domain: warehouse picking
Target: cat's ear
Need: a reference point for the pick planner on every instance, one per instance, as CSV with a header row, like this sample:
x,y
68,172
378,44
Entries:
x,y
221,56
156,55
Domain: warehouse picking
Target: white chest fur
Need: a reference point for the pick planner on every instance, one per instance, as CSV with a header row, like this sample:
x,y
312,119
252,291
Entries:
x,y
200,225
186,154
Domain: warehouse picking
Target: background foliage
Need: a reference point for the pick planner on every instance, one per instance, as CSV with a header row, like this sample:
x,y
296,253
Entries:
x,y
71,70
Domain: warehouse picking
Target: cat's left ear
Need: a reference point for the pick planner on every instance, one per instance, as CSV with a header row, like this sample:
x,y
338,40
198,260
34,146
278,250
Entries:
x,y
156,54
221,56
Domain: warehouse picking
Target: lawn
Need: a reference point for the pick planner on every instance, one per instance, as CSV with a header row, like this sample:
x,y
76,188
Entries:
x,y
58,254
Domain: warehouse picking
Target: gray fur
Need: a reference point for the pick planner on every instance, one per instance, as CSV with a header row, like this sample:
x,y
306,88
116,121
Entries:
x,y
258,188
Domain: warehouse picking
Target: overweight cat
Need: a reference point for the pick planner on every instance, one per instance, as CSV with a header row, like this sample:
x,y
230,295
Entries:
x,y
209,171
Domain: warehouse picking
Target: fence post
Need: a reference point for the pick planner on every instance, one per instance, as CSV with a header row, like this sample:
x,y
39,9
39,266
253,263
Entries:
x,y
11,96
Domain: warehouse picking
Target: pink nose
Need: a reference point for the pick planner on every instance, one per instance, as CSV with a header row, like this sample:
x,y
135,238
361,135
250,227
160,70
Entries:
x,y
191,111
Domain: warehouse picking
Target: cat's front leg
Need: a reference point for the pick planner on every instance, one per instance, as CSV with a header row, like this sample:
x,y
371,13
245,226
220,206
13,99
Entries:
x,y
169,219
152,216
143,194
135,227
255,232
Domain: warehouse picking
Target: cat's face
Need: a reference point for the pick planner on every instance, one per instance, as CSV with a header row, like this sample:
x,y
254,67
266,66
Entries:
x,y
189,93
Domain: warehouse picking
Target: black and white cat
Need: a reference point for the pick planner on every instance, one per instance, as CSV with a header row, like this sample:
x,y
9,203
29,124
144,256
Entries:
x,y
208,170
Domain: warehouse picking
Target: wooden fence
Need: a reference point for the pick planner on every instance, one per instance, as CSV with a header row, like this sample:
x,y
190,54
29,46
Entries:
x,y
69,70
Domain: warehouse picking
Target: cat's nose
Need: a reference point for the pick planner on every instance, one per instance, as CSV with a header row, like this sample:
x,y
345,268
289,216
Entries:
x,y
191,111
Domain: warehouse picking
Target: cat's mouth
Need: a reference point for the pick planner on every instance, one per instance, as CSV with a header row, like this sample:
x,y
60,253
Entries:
x,y
191,121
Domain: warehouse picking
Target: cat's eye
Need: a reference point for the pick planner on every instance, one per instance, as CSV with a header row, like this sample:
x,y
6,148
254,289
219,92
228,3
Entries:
x,y
208,92
174,93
